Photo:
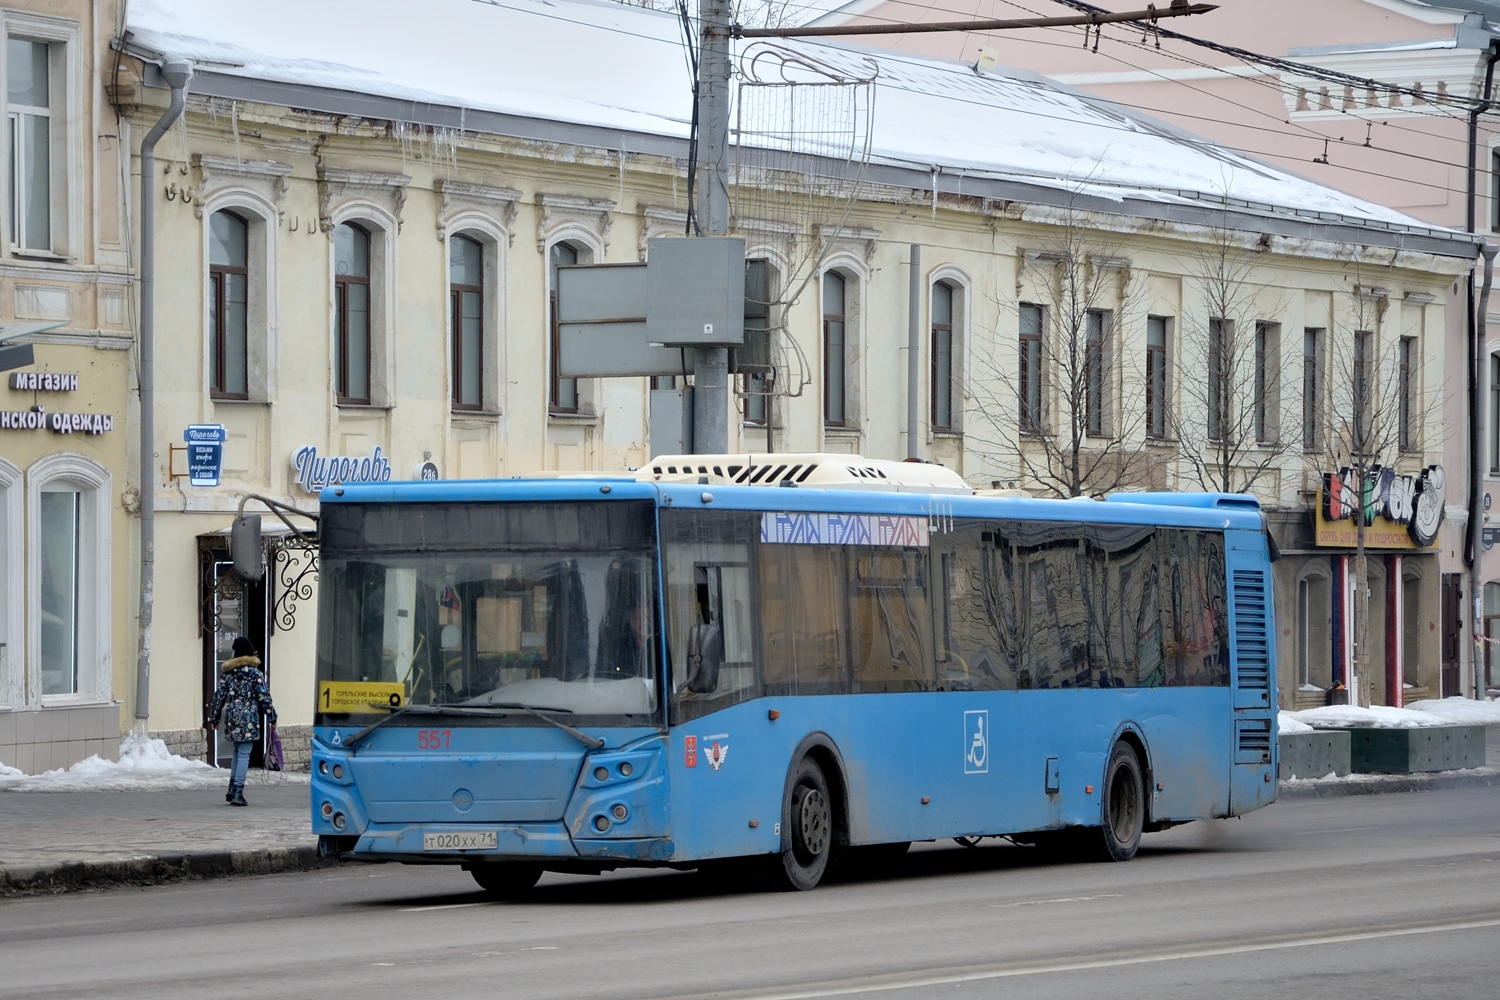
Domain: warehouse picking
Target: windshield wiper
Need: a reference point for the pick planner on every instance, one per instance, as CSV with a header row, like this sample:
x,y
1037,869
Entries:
x,y
592,742
492,710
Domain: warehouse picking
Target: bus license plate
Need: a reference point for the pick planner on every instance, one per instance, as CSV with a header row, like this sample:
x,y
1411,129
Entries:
x,y
472,840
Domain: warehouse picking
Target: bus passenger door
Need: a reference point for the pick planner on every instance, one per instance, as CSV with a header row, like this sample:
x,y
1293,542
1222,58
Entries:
x,y
1252,660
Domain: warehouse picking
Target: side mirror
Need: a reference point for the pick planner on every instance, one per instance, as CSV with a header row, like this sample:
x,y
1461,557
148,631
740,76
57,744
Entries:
x,y
245,550
705,653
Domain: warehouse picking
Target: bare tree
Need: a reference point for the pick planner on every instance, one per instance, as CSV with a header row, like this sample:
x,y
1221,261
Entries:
x,y
1235,423
1067,408
1376,410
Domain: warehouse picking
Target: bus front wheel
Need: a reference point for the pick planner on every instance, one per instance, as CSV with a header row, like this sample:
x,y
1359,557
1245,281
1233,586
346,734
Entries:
x,y
1124,806
506,879
809,841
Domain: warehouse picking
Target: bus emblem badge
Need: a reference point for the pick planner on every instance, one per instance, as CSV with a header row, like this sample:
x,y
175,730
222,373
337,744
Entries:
x,y
716,754
690,748
977,742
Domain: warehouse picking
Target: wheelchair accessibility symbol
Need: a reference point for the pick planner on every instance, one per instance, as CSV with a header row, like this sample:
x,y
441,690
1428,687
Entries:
x,y
977,742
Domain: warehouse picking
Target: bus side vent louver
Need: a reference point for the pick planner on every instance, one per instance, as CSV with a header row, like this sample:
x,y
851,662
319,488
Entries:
x,y
1250,640
1252,741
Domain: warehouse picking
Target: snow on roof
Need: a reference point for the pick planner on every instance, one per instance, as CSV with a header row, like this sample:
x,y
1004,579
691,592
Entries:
x,y
619,67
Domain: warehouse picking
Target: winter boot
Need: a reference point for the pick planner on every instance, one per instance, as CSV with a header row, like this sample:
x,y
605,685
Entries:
x,y
229,795
238,799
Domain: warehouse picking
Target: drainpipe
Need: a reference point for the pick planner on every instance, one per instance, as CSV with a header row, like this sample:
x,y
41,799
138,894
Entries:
x,y
1472,543
176,73
1476,515
914,355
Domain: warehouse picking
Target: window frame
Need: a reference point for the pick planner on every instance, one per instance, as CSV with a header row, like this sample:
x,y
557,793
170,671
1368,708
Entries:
x,y
835,417
1360,389
555,382
457,335
1406,410
218,314
1312,388
1266,384
1098,373
1031,413
1159,369
341,285
944,376
756,408
64,37
73,472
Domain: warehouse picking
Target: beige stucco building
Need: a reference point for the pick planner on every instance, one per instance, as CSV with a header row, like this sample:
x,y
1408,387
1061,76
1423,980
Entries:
x,y
356,244
1384,99
66,494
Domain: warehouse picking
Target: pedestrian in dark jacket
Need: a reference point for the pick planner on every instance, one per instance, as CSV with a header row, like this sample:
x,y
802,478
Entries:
x,y
241,697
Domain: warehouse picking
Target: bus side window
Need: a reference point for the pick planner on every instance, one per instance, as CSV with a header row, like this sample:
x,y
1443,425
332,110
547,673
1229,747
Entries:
x,y
802,615
889,620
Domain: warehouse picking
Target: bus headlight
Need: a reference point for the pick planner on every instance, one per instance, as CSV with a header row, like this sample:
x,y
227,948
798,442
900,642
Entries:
x,y
327,809
339,822
601,823
620,812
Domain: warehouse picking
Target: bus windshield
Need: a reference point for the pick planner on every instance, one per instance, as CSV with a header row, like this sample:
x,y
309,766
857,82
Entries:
x,y
488,613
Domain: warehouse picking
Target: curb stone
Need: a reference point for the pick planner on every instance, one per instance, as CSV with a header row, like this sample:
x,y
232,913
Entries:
x,y
164,869
72,876
1373,784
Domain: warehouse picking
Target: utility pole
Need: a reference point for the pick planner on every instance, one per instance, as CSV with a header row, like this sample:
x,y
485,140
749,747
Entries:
x,y
711,364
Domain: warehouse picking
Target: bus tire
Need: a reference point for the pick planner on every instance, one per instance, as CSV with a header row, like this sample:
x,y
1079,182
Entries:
x,y
809,831
1124,806
506,879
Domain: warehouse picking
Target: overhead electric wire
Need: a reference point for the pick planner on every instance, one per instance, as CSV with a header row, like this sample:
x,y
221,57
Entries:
x,y
1310,133
1203,144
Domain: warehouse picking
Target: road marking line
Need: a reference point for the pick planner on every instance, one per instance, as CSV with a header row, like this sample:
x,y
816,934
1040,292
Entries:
x,y
1064,899
1344,829
912,981
442,906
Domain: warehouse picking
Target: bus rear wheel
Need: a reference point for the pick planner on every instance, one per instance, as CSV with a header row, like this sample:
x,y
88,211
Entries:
x,y
809,841
1124,807
506,879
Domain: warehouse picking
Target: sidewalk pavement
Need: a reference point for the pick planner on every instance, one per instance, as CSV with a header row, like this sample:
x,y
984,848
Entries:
x,y
52,842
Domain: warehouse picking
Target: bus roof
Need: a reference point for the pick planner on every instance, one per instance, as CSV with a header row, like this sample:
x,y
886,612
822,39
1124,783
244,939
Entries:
x,y
1216,510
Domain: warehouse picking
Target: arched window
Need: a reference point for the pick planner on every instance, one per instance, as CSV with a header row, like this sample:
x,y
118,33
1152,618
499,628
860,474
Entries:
x,y
229,305
351,285
941,391
466,292
564,397
755,363
835,350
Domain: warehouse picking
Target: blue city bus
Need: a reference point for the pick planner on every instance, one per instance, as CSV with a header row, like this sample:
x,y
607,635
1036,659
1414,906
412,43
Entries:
x,y
767,662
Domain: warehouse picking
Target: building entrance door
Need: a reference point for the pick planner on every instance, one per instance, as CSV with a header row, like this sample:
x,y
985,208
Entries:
x,y
1452,629
230,608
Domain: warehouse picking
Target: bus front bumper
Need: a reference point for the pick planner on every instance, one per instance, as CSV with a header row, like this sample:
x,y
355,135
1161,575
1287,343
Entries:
x,y
432,843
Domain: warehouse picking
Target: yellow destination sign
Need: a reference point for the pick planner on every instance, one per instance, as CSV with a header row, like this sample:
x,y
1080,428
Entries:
x,y
360,696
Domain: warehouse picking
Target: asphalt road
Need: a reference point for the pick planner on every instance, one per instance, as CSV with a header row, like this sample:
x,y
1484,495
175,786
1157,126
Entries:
x,y
1363,896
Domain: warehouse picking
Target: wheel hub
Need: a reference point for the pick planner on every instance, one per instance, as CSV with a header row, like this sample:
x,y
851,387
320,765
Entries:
x,y
813,822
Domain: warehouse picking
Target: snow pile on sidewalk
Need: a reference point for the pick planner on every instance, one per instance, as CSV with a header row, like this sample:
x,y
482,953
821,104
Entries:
x,y
1287,722
1461,711
145,765
1417,715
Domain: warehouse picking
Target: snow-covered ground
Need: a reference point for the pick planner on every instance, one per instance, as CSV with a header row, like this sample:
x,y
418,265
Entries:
x,y
1446,712
145,765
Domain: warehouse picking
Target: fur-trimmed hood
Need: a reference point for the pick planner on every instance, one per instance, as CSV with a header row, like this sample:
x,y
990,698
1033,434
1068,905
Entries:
x,y
240,661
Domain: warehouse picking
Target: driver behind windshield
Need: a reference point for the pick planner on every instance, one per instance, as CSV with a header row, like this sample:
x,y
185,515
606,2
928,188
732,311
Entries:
x,y
625,636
